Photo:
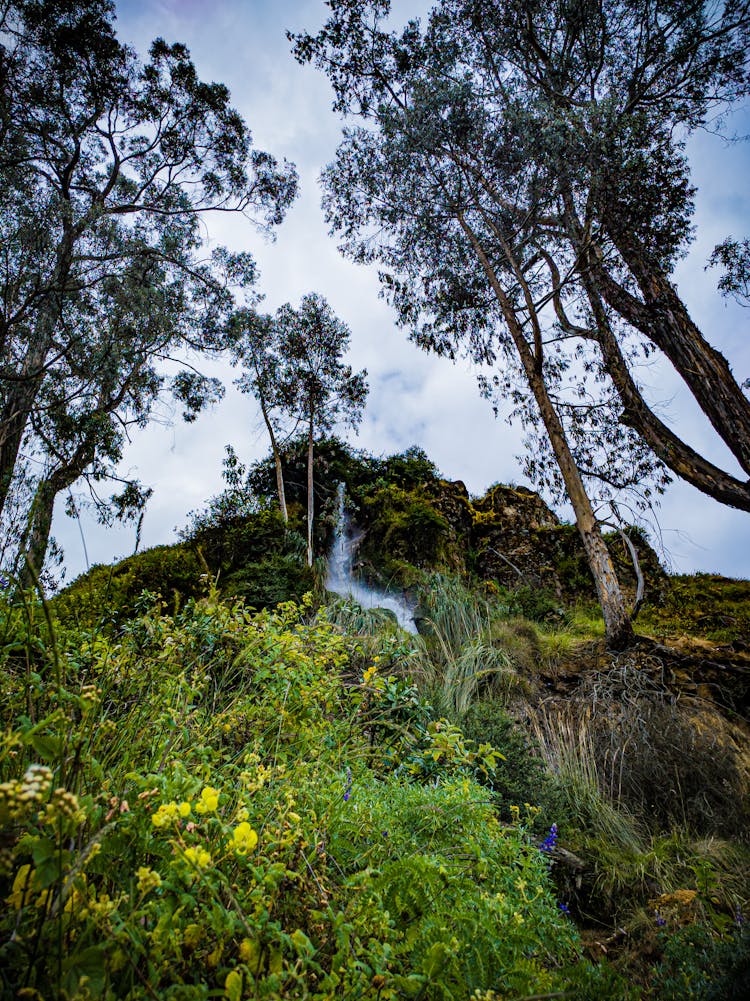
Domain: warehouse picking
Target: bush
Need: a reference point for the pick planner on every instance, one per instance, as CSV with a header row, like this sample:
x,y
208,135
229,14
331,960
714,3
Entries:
x,y
522,778
198,807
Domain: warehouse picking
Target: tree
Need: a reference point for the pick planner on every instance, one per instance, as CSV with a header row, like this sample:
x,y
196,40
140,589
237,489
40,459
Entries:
x,y
106,167
256,345
318,389
458,267
601,96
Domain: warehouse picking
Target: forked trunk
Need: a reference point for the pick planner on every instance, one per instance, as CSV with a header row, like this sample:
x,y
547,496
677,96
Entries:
x,y
666,321
617,626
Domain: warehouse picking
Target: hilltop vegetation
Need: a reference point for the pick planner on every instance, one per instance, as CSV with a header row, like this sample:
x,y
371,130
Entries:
x,y
201,799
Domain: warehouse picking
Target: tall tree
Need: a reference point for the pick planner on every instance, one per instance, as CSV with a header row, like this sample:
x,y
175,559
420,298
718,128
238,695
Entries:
x,y
461,270
111,381
319,388
256,346
106,167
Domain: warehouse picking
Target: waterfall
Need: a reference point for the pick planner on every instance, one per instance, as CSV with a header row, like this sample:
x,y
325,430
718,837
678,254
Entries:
x,y
341,579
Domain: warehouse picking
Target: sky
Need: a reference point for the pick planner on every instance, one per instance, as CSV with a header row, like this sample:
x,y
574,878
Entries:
x,y
415,398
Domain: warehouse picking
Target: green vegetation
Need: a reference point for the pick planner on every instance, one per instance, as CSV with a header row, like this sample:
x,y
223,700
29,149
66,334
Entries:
x,y
202,804
216,779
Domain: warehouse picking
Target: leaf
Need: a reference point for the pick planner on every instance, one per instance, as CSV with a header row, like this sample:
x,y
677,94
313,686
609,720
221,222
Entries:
x,y
85,969
47,746
233,985
435,960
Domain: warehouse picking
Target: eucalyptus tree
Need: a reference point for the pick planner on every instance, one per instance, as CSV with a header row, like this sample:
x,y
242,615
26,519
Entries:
x,y
317,387
112,380
256,347
107,166
595,99
617,87
462,271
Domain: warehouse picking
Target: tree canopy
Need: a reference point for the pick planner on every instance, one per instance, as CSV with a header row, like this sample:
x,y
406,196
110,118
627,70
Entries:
x,y
107,165
520,179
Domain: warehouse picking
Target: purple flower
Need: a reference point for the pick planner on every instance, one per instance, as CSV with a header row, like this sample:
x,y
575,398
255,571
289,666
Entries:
x,y
563,908
550,841
739,918
660,921
348,787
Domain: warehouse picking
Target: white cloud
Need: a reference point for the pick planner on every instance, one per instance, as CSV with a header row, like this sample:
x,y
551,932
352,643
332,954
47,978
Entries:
x,y
414,398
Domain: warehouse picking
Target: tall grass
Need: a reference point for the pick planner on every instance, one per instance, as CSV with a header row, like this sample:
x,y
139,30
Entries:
x,y
456,659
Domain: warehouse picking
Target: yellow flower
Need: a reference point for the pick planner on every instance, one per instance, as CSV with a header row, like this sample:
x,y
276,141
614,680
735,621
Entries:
x,y
369,674
166,813
209,801
147,879
244,838
199,858
184,809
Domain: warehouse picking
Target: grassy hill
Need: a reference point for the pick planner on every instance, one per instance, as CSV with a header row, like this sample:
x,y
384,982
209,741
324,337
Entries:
x,y
217,780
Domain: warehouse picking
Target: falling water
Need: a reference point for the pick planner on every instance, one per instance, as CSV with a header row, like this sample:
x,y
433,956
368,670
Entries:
x,y
341,579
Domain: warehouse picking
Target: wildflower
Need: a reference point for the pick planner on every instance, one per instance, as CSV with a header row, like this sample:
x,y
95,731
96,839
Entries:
x,y
244,838
184,809
199,858
147,879
660,921
209,801
369,674
550,841
348,787
739,918
166,813
563,908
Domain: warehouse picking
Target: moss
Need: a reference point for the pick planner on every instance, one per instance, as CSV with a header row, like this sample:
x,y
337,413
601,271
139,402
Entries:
x,y
704,605
111,594
403,525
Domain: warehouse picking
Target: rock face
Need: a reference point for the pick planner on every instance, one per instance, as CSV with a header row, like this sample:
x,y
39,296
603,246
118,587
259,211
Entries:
x,y
509,536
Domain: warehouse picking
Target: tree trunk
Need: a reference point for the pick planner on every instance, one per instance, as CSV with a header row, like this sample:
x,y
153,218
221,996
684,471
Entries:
x,y
34,551
310,495
276,458
280,486
617,626
688,464
19,397
664,319
21,391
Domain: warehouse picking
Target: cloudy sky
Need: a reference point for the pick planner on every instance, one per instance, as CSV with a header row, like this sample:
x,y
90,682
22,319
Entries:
x,y
414,398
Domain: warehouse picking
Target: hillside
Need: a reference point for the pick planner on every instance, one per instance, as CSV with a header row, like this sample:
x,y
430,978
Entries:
x,y
219,779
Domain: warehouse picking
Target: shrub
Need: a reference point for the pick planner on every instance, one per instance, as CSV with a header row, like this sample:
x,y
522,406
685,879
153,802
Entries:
x,y
200,806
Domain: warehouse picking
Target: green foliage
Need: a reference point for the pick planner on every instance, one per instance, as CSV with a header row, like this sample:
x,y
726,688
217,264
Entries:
x,y
253,556
111,594
403,524
522,777
202,806
703,605
700,965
